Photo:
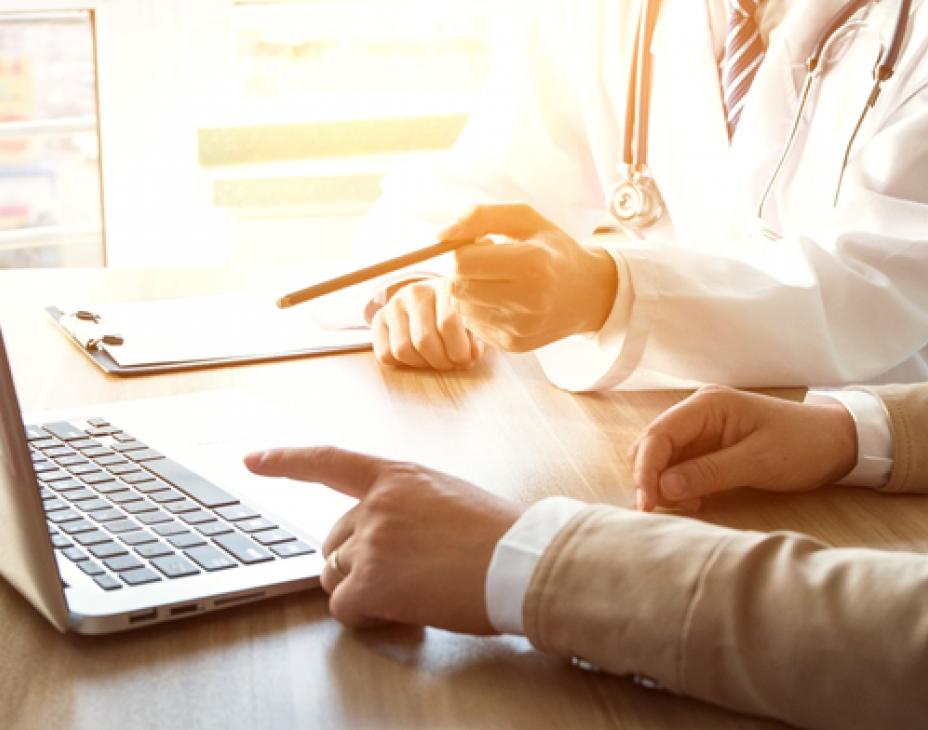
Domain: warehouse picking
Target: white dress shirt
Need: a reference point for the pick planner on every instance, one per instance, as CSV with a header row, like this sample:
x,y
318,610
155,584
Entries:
x,y
519,550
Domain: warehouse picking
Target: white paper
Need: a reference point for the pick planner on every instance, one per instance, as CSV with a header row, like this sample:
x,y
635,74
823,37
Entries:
x,y
166,331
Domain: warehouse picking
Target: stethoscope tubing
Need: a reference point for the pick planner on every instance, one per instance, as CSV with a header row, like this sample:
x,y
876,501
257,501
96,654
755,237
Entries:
x,y
635,143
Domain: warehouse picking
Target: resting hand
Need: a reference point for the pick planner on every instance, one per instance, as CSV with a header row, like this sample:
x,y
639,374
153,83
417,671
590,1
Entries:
x,y
417,547
721,438
535,289
418,328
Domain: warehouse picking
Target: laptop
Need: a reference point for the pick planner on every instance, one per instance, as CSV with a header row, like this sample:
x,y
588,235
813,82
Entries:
x,y
140,512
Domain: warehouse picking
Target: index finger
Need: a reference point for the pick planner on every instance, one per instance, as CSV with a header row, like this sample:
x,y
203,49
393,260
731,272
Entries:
x,y
348,472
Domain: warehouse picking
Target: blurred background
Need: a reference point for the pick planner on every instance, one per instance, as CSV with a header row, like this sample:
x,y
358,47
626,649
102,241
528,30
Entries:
x,y
165,132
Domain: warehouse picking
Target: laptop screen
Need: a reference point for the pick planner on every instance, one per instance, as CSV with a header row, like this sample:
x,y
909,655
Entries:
x,y
27,558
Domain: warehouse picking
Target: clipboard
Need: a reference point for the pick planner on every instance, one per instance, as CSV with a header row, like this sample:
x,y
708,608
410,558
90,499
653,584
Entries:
x,y
131,339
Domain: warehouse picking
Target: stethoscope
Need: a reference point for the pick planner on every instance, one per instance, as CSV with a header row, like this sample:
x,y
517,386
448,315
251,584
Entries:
x,y
635,200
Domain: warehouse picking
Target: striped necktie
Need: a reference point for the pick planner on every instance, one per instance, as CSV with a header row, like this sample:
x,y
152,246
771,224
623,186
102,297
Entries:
x,y
744,51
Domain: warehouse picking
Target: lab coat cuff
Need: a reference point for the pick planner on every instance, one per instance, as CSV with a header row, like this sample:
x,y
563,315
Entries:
x,y
874,436
612,356
515,557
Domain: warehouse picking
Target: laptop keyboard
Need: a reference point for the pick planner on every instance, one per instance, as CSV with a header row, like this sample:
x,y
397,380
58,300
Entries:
x,y
129,516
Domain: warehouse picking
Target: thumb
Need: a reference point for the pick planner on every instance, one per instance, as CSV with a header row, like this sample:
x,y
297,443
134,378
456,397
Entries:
x,y
736,466
345,471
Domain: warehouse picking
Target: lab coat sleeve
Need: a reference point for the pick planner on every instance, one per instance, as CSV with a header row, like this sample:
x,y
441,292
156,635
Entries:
x,y
844,303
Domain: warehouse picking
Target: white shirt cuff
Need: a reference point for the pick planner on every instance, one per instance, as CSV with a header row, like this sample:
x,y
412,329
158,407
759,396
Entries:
x,y
516,555
874,436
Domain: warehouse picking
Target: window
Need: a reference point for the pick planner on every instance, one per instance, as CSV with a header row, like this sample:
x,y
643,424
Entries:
x,y
50,205
236,131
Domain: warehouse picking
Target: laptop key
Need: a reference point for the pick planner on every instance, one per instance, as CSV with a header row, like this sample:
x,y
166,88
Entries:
x,y
154,518
102,431
77,495
123,437
85,444
64,515
43,467
209,558
46,443
167,495
85,467
214,528
140,577
149,487
45,493
176,508
94,451
107,582
174,566
98,422
110,460
124,562
198,518
255,525
138,538
273,537
53,476
193,485
75,527
137,477
54,504
98,504
97,478
91,568
74,554
35,433
124,497
59,452
172,528
134,508
97,537
153,550
144,455
292,549
64,431
69,461
121,526
108,515
127,446
186,541
237,512
65,484
108,550
109,488
60,542
243,548
124,468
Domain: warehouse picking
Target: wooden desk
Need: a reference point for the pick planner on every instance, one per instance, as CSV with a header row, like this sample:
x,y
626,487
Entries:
x,y
286,663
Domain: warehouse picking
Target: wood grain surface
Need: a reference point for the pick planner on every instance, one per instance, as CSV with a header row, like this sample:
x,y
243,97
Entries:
x,y
286,663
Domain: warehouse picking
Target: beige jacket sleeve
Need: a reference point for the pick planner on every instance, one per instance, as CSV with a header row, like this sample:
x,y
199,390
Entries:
x,y
907,408
776,625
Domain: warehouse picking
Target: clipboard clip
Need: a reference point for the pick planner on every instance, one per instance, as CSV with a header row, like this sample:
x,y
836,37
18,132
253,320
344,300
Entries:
x,y
89,330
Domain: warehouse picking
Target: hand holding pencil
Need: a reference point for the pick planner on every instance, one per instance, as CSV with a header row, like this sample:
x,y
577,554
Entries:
x,y
537,287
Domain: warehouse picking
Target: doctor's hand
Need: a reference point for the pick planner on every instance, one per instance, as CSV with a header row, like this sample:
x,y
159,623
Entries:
x,y
720,438
419,328
537,287
416,548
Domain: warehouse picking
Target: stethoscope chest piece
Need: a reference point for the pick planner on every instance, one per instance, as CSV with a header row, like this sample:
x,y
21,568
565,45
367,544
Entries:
x,y
635,200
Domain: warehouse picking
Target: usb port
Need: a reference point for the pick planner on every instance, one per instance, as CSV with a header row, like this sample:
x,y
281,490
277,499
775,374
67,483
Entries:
x,y
142,616
185,609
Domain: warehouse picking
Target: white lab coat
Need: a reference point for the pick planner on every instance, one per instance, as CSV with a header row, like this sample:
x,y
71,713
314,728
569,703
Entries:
x,y
842,298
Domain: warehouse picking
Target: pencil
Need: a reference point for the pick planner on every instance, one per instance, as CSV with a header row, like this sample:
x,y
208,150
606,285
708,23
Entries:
x,y
371,272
